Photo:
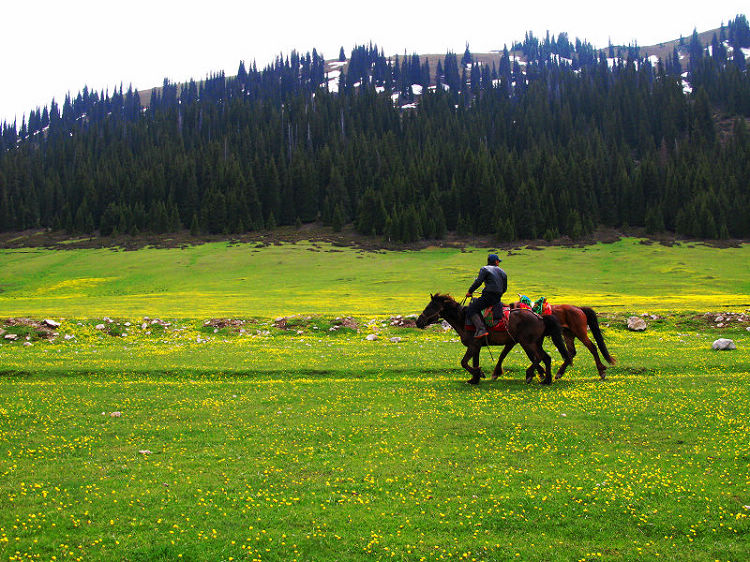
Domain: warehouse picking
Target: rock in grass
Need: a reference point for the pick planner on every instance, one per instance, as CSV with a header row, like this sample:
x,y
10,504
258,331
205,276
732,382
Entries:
x,y
636,324
371,337
395,339
51,323
12,337
723,344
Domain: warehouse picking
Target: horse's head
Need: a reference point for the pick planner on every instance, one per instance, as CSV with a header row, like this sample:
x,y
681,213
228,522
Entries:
x,y
433,310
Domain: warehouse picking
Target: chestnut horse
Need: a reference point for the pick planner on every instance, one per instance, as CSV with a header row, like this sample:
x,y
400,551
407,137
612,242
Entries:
x,y
524,327
574,320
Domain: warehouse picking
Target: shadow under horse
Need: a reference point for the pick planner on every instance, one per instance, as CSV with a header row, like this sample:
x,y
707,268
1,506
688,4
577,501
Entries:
x,y
524,327
575,322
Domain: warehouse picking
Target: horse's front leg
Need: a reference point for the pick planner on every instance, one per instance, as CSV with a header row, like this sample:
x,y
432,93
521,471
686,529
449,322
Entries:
x,y
472,352
499,367
475,362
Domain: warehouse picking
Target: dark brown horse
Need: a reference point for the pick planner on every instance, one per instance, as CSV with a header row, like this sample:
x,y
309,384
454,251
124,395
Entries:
x,y
524,327
574,320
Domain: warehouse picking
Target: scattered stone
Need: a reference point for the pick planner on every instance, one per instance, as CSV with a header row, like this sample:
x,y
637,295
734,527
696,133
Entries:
x,y
51,323
346,322
11,337
115,414
724,319
144,452
395,340
41,329
636,324
403,321
99,326
219,323
723,344
27,344
371,337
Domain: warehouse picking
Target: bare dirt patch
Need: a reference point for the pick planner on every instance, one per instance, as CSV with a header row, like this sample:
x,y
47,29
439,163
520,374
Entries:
x,y
317,234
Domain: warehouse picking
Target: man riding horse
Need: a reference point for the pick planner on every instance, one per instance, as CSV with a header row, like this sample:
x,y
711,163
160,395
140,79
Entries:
x,y
495,284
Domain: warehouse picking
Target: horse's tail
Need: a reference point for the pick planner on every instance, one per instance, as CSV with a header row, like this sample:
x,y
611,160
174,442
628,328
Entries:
x,y
593,323
552,329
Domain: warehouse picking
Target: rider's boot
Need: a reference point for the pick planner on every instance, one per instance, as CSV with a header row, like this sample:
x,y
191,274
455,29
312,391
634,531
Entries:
x,y
481,331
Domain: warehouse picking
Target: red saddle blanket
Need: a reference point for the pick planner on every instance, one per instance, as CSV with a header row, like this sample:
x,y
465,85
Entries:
x,y
495,318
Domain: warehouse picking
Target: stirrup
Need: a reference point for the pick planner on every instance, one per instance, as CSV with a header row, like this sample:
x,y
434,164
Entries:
x,y
479,335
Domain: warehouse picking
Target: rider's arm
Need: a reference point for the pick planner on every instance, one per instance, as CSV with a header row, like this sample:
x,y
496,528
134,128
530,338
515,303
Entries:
x,y
478,281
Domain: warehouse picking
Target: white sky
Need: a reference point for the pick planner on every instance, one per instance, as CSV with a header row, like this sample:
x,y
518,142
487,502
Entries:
x,y
51,47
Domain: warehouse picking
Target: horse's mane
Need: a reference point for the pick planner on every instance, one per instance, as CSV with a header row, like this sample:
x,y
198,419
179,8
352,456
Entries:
x,y
448,300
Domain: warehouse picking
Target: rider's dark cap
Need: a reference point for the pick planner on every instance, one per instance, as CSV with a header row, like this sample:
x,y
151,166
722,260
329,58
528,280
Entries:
x,y
492,258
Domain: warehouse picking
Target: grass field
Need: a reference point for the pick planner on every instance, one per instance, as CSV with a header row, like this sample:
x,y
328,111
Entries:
x,y
241,280
254,442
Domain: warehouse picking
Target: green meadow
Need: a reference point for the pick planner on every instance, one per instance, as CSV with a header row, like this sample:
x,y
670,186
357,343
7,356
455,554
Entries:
x,y
222,279
194,437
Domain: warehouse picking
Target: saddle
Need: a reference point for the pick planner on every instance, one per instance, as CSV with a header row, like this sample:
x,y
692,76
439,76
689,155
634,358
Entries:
x,y
495,318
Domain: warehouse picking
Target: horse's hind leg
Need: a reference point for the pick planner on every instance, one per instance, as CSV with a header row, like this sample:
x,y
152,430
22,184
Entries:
x,y
537,355
571,347
534,357
547,365
472,352
499,367
584,337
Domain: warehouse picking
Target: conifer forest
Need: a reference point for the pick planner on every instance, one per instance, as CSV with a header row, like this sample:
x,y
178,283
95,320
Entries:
x,y
558,138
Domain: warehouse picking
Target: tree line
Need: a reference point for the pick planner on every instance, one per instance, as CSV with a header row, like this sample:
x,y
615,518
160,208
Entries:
x,y
573,139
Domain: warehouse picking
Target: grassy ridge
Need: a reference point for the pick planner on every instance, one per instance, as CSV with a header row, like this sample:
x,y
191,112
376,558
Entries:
x,y
241,280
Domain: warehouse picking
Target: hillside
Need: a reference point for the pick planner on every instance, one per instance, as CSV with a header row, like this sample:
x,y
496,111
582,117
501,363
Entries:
x,y
555,138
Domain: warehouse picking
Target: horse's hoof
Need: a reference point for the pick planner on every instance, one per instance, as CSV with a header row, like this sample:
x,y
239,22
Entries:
x,y
473,382
529,380
558,376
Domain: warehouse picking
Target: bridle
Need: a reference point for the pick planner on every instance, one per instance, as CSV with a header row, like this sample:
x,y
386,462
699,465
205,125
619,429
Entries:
x,y
432,319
